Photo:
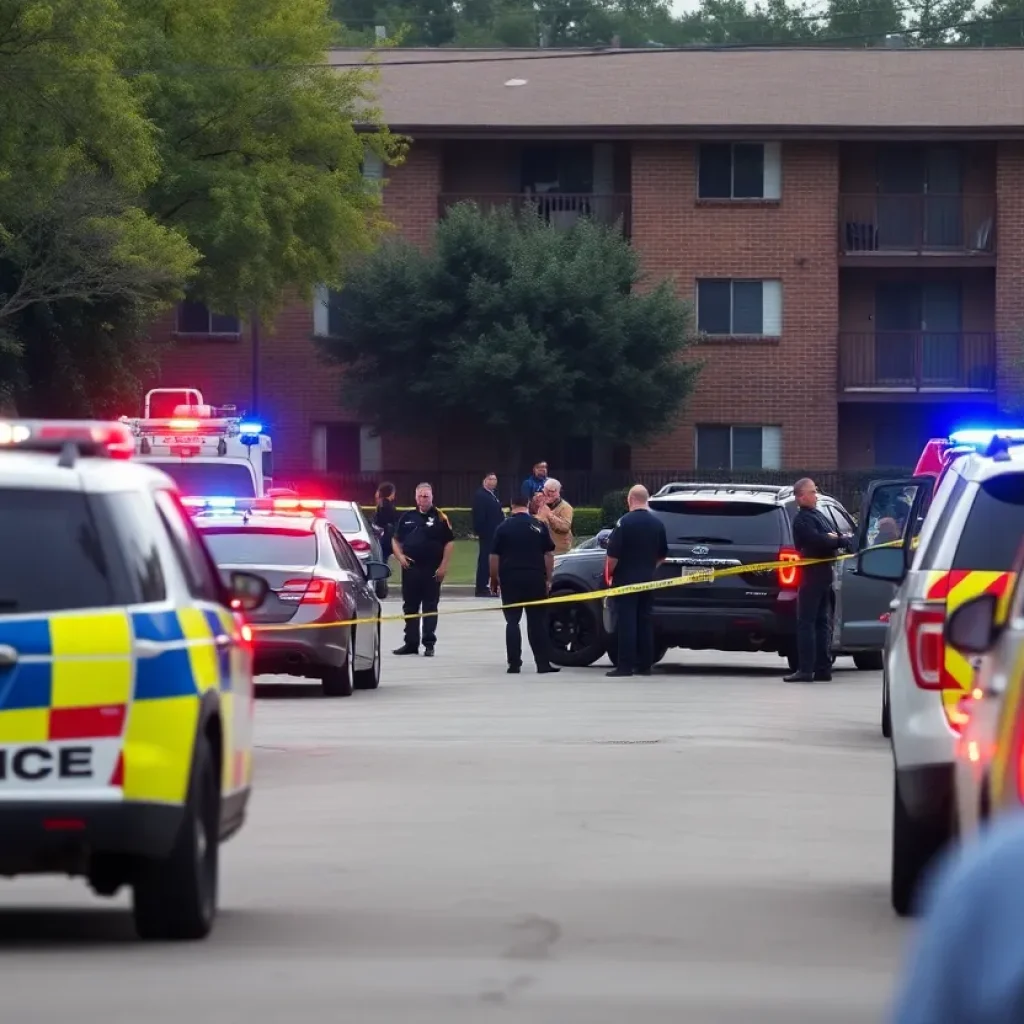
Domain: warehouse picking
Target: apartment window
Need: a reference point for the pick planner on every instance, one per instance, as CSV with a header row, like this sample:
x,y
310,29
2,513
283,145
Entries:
x,y
722,447
739,170
327,312
741,308
372,167
346,448
195,318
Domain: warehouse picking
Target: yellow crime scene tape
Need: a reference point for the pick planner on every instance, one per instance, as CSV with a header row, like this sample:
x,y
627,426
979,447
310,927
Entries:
x,y
687,579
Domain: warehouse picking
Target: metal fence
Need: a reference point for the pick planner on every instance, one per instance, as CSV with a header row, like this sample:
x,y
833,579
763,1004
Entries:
x,y
582,489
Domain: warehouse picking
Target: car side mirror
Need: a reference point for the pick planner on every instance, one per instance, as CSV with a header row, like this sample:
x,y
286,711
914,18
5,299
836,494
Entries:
x,y
882,564
972,629
248,591
377,571
603,537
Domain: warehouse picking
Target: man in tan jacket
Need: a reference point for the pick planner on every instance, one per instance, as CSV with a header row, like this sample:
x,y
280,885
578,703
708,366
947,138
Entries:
x,y
556,514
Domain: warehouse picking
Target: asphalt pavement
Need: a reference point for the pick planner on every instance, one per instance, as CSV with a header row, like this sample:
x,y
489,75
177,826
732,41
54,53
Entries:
x,y
706,846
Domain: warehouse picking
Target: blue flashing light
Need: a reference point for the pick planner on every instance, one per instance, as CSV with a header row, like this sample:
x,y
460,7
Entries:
x,y
251,427
220,502
983,435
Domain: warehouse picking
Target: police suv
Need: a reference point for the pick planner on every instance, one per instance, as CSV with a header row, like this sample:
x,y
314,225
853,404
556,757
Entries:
x,y
962,546
126,690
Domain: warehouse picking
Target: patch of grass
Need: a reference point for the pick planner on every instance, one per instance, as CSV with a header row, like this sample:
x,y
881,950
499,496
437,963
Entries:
x,y
462,568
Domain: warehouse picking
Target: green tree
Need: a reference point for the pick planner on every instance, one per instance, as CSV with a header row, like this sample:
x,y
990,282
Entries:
x,y
999,23
261,163
76,152
514,328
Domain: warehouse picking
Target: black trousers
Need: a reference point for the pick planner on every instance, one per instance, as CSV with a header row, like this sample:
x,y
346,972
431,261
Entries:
x,y
814,626
420,593
483,564
634,630
525,586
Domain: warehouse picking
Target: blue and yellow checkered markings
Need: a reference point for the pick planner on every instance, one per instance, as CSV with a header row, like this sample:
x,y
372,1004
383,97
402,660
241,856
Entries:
x,y
159,627
26,636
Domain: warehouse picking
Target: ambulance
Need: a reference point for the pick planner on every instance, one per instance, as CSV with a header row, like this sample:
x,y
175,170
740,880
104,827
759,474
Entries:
x,y
206,450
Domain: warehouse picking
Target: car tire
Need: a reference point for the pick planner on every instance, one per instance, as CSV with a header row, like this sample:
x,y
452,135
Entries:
x,y
915,844
886,715
175,898
868,661
369,678
575,617
381,588
340,681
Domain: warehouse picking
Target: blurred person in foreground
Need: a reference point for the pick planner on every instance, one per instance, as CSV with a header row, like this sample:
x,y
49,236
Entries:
x,y
814,537
488,515
423,545
637,546
556,514
521,563
966,964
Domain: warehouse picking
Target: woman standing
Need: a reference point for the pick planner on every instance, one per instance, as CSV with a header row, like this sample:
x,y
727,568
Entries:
x,y
386,516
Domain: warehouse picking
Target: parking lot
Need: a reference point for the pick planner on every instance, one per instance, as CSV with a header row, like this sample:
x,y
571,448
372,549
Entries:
x,y
706,845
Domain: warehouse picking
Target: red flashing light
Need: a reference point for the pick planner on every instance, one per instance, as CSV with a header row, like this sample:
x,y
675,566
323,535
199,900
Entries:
x,y
925,622
63,824
789,575
358,544
115,439
246,632
298,504
313,591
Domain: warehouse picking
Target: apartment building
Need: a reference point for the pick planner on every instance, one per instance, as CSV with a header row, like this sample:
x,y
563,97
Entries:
x,y
849,225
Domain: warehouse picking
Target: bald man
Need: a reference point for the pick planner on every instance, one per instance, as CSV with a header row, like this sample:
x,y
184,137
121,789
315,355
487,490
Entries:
x,y
637,546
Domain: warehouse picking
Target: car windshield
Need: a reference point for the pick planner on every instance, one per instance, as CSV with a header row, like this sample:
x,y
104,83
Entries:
x,y
720,522
208,479
994,527
51,558
345,519
244,545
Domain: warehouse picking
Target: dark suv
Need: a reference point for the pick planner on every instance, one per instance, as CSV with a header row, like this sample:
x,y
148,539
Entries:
x,y
715,526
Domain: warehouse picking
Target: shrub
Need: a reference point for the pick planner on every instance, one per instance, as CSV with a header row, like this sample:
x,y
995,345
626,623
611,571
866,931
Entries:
x,y
613,507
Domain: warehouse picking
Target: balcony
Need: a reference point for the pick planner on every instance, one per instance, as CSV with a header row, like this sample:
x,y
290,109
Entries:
x,y
898,230
931,365
561,209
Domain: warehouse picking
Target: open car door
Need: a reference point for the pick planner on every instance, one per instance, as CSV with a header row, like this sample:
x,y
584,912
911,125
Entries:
x,y
892,511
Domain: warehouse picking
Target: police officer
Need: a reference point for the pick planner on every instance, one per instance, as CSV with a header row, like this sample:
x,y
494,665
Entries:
x,y
637,546
521,563
423,544
814,537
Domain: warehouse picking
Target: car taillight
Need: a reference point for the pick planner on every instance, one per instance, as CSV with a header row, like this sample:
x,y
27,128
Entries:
x,y
925,621
314,591
789,575
359,544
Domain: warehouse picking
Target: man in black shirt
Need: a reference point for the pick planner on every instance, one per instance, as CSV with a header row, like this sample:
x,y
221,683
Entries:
x,y
814,537
487,516
521,563
637,546
423,545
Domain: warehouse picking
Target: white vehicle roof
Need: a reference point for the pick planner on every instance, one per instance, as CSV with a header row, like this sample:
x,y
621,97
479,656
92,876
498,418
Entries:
x,y
979,468
41,471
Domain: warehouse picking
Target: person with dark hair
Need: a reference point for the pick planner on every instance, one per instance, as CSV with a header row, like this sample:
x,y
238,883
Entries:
x,y
385,517
815,538
487,517
521,563
535,482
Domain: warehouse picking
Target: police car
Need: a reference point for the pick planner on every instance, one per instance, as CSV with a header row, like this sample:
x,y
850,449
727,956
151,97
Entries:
x,y
965,548
126,690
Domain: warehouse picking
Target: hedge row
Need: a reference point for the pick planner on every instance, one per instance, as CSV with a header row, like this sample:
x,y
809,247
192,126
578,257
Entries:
x,y
585,521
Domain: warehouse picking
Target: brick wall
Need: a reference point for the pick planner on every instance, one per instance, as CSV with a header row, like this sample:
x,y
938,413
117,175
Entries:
x,y
1010,272
788,382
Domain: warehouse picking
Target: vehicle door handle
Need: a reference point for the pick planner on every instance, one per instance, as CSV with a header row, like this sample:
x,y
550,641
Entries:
x,y
147,649
8,655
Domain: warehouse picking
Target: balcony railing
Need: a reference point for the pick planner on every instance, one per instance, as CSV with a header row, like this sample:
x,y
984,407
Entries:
x,y
562,209
917,224
917,361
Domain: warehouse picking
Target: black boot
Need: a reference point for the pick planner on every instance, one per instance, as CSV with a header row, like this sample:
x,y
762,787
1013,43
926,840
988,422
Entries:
x,y
798,677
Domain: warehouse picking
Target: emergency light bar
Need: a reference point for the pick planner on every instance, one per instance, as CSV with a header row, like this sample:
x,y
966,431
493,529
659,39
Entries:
x,y
982,436
89,438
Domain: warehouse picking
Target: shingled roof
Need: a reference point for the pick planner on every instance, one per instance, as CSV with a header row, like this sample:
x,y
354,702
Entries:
x,y
675,93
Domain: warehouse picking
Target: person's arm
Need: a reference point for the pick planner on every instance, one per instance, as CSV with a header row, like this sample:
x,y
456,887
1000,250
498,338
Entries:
x,y
549,557
559,519
613,553
480,513
662,545
396,547
448,537
811,537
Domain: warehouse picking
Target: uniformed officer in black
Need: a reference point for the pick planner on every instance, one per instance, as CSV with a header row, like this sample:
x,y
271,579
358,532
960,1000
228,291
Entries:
x,y
521,563
423,545
637,546
814,537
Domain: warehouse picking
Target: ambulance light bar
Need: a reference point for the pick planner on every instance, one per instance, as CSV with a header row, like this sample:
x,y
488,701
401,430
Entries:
x,y
984,436
89,438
